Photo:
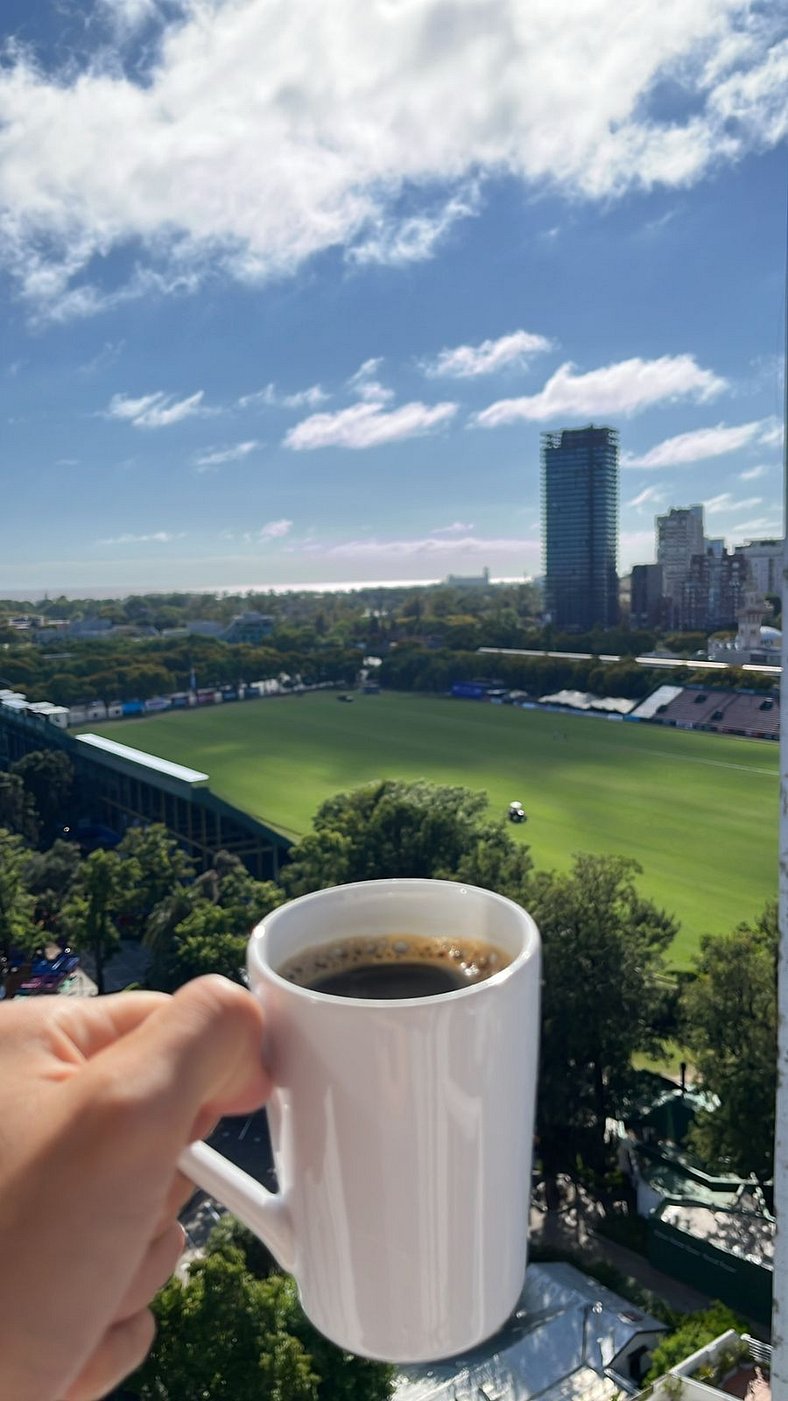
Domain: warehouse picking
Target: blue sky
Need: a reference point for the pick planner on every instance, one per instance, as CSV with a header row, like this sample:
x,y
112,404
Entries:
x,y
291,289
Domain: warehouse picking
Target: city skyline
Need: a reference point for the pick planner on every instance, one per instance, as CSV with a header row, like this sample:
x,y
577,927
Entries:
x,y
304,321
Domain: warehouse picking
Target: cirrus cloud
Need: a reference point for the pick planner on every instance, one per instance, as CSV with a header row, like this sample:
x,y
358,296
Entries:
x,y
468,361
368,425
699,444
216,457
155,537
624,388
158,410
275,530
271,397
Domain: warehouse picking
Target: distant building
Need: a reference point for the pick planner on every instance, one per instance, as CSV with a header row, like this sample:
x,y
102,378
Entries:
x,y
765,559
580,515
470,581
90,627
713,592
679,538
646,596
250,627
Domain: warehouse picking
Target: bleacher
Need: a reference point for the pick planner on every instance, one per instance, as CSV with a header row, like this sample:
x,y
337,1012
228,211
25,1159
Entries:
x,y
755,714
695,706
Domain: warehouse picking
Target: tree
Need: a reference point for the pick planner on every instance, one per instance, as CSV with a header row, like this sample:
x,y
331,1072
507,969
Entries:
x,y
95,901
48,777
694,1332
730,1029
18,811
49,876
17,929
392,828
224,1336
603,947
204,927
156,866
232,1332
207,941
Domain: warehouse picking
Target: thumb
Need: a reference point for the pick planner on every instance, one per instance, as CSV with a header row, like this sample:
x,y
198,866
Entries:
x,y
195,1058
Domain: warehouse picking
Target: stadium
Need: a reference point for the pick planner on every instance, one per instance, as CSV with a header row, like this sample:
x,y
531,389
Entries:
x,y
695,809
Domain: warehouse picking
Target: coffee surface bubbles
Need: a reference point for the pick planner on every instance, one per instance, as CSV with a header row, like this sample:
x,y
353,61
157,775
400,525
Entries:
x,y
395,966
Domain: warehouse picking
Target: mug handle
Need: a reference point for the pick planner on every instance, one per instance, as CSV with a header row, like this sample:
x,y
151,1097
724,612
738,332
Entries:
x,y
264,1212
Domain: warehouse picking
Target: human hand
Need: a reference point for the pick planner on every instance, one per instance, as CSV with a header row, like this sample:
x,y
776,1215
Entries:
x,y
97,1099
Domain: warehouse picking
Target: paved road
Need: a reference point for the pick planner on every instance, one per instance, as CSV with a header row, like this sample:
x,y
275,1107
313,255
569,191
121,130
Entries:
x,y
246,1142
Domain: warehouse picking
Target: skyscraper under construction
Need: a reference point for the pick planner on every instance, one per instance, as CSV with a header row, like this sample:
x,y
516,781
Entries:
x,y
580,526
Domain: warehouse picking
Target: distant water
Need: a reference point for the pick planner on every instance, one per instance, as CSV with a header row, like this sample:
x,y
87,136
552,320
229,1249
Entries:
x,y
123,591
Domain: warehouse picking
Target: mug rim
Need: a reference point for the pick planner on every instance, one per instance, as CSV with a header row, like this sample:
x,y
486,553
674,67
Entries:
x,y
531,945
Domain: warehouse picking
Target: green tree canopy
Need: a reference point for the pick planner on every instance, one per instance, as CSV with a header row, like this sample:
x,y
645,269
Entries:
x,y
204,927
17,927
603,948
392,828
730,1028
18,812
155,867
226,1333
49,875
694,1332
48,777
95,900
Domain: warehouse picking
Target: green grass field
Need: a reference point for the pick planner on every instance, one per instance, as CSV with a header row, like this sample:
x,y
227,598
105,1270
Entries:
x,y
699,812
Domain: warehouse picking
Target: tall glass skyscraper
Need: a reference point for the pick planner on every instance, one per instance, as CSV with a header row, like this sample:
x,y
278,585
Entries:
x,y
580,524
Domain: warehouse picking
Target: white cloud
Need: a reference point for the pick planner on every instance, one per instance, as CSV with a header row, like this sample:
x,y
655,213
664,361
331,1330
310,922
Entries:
x,y
435,546
753,474
270,397
395,242
634,546
366,144
157,410
467,361
698,445
216,457
367,425
127,16
275,530
623,388
365,384
156,537
762,526
456,528
651,495
724,504
772,435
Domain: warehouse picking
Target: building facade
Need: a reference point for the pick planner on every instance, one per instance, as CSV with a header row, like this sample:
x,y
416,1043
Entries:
x,y
712,594
580,516
679,538
765,558
645,606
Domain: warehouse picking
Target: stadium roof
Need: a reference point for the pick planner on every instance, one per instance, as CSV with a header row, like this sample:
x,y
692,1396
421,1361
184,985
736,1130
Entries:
x,y
146,766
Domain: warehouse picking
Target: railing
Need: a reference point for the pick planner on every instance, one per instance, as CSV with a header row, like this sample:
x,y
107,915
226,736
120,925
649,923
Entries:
x,y
759,1352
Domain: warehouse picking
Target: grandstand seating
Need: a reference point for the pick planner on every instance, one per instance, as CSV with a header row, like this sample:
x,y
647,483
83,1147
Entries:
x,y
753,715
729,712
695,707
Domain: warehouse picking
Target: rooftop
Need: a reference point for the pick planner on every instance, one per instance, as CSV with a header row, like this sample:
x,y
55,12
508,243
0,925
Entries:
x,y
566,1333
136,757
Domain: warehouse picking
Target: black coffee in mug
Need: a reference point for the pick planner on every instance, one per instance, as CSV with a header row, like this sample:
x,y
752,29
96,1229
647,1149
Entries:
x,y
395,966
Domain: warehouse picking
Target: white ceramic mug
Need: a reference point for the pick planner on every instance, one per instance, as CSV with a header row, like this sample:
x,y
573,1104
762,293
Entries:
x,y
402,1129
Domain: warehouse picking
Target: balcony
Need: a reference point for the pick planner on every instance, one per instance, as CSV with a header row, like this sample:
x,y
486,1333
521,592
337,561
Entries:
x,y
733,1365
